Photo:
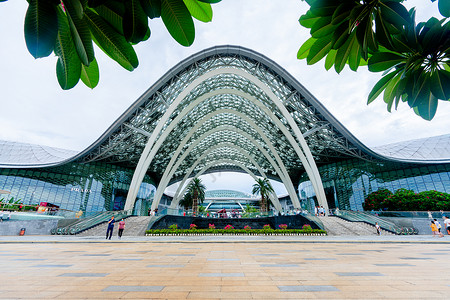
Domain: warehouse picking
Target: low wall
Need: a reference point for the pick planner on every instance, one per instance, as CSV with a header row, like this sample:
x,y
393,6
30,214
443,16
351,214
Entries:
x,y
32,227
293,222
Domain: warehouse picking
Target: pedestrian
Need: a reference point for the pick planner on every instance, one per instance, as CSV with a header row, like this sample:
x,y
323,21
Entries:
x,y
121,228
378,228
110,229
1,215
438,225
447,224
434,229
430,216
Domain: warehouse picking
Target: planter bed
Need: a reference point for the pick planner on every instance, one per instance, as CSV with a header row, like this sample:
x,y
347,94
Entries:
x,y
243,232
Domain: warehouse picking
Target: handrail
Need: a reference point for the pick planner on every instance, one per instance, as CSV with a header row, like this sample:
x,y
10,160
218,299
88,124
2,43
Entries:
x,y
366,217
316,220
89,222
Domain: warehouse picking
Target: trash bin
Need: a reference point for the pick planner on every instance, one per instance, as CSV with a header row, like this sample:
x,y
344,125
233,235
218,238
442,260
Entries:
x,y
22,231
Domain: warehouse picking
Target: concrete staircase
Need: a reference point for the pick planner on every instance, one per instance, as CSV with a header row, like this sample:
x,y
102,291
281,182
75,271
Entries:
x,y
337,226
134,226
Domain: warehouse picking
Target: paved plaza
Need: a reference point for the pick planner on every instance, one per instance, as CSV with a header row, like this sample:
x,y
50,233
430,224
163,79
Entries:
x,y
48,267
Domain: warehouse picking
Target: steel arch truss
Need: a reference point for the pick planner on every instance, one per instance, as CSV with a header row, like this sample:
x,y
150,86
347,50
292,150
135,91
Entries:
x,y
280,129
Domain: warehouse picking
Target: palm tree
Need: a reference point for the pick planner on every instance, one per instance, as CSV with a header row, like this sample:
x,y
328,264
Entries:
x,y
264,188
196,189
186,202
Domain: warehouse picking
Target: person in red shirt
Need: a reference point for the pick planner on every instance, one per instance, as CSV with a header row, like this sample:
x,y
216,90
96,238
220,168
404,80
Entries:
x,y
121,228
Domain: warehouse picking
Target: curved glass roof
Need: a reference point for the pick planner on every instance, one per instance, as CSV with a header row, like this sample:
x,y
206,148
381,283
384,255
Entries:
x,y
14,154
432,149
227,118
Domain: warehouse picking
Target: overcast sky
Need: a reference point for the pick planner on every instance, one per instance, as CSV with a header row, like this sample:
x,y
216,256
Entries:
x,y
35,110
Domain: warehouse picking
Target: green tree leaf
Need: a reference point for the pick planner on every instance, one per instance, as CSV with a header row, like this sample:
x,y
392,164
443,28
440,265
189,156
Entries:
x,y
381,61
324,8
95,3
68,66
420,90
390,91
90,75
41,27
427,107
199,10
382,32
330,59
80,31
210,1
318,50
308,20
135,22
380,86
343,53
444,8
304,49
440,84
178,21
340,35
112,12
112,43
354,58
152,8
395,13
322,28
341,13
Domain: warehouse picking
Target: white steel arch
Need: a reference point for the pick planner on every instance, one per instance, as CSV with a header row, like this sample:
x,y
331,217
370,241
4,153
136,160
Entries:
x,y
273,197
177,196
178,193
280,168
148,153
168,175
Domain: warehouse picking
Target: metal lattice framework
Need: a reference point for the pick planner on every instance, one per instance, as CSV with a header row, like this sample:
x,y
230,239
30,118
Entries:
x,y
265,122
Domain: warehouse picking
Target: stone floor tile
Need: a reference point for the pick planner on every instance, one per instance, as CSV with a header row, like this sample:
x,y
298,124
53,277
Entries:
x,y
220,295
284,295
191,288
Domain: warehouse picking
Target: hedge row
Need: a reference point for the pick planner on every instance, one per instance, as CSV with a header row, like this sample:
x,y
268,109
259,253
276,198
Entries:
x,y
407,200
235,232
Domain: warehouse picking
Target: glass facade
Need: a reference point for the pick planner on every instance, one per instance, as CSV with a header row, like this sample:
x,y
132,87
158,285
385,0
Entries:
x,y
347,183
92,187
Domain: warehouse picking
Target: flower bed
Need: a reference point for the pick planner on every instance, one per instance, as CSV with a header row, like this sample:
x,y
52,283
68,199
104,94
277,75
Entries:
x,y
236,232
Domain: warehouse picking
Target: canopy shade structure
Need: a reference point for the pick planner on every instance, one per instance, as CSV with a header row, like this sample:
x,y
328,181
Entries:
x,y
124,142
226,108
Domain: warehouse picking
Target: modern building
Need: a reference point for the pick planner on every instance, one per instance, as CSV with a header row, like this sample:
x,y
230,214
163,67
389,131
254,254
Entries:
x,y
226,108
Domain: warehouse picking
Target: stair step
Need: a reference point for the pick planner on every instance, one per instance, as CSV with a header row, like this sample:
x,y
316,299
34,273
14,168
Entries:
x,y
134,226
337,226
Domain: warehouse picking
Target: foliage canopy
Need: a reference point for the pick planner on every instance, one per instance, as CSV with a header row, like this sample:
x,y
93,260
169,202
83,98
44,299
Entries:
x,y
264,188
195,193
68,28
407,200
383,34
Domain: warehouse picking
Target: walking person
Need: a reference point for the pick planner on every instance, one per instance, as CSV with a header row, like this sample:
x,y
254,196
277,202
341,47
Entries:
x,y
121,228
110,229
434,229
438,225
378,228
447,224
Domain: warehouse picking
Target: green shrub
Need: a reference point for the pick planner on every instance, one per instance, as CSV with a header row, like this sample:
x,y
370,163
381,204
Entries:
x,y
234,231
407,200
